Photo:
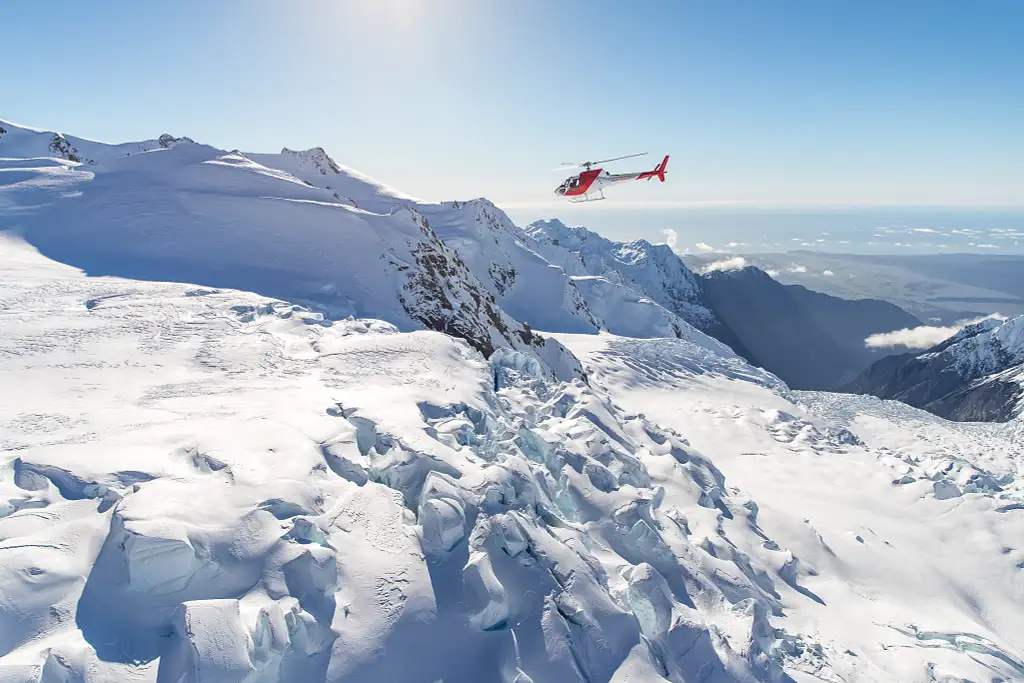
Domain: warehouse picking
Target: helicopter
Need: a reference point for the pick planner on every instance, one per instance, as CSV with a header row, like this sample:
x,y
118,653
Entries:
x,y
589,185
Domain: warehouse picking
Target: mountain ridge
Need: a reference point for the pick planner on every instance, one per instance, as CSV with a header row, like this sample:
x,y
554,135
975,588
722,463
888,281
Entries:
x,y
975,375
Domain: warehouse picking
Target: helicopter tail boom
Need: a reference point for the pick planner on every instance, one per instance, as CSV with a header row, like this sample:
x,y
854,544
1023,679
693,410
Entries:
x,y
658,172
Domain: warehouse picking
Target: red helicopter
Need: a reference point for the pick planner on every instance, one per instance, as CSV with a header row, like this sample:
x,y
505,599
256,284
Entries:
x,y
589,185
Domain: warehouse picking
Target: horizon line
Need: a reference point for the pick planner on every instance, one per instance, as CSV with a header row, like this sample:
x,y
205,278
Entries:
x,y
740,203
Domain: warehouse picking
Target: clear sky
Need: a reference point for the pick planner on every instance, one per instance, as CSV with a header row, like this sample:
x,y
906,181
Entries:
x,y
765,101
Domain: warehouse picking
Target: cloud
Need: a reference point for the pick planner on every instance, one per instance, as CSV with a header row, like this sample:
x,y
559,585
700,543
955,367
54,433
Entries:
x,y
671,238
733,245
827,273
734,263
796,269
771,272
922,337
704,246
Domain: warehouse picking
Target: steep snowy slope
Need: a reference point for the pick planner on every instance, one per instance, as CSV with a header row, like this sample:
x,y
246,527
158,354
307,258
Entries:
x,y
189,213
978,374
523,283
903,530
528,287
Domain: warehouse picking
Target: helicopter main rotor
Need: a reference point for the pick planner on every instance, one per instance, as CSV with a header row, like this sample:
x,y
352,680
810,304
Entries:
x,y
587,164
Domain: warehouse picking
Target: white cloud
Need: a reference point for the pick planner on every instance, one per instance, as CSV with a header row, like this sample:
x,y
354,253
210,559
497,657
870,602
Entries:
x,y
671,238
733,245
771,272
703,246
734,263
827,273
922,337
922,230
796,269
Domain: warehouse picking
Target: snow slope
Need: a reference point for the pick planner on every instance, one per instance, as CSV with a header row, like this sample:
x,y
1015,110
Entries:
x,y
906,527
187,212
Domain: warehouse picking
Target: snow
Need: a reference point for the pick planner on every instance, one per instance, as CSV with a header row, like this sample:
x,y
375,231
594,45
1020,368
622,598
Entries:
x,y
237,446
647,272
902,528
991,346
185,212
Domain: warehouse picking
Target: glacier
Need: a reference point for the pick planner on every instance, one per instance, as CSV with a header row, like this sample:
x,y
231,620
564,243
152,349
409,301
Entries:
x,y
245,439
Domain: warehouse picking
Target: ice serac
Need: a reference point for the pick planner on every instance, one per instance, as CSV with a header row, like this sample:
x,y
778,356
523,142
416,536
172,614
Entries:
x,y
160,557
976,375
209,643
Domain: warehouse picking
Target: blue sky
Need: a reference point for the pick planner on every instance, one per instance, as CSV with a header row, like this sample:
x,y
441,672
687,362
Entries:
x,y
782,102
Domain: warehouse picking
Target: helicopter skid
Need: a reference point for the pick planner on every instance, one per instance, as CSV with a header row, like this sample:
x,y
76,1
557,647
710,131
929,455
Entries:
x,y
586,198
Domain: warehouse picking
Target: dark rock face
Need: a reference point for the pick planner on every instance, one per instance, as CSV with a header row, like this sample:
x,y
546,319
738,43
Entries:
x,y
810,340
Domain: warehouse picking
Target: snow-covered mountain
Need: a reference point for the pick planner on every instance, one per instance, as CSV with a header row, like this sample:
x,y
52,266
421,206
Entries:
x,y
620,278
811,340
175,210
285,428
976,375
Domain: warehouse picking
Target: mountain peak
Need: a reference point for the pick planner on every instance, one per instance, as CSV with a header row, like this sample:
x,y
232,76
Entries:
x,y
316,156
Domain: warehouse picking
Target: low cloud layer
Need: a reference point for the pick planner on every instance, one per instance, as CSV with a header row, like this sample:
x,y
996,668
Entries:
x,y
923,337
735,263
